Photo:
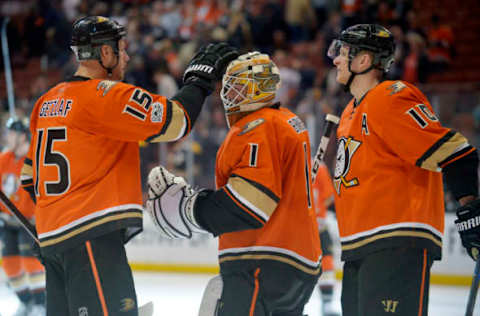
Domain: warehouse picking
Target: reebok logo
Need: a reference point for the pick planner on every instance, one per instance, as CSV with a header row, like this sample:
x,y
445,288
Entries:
x,y
204,68
468,224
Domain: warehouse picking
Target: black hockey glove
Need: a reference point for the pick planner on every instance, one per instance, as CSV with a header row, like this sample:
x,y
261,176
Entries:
x,y
208,65
468,225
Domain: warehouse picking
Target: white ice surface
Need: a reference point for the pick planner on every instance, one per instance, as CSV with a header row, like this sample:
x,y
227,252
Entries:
x,y
180,295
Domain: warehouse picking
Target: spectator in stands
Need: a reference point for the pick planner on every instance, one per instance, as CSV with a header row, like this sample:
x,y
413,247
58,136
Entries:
x,y
290,78
164,81
301,19
170,19
385,13
238,28
350,12
416,62
401,47
260,26
440,45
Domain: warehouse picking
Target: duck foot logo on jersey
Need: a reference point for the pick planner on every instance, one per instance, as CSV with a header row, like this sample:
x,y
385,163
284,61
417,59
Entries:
x,y
346,148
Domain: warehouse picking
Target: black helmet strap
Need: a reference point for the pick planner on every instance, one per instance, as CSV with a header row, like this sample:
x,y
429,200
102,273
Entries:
x,y
109,69
346,87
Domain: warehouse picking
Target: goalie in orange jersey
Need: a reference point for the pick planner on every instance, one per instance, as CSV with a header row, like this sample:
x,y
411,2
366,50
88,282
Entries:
x,y
262,209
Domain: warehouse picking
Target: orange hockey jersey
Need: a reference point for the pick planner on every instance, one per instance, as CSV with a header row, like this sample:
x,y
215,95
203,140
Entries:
x,y
264,167
389,191
10,168
84,157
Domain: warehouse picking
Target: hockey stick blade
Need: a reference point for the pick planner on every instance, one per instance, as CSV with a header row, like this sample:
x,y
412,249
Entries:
x,y
331,122
146,309
472,296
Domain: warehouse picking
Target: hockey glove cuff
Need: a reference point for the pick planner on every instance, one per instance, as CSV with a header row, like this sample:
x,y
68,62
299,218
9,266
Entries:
x,y
208,65
171,204
468,225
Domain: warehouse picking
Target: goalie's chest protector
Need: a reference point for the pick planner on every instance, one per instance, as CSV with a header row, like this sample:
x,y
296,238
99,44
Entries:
x,y
269,151
383,198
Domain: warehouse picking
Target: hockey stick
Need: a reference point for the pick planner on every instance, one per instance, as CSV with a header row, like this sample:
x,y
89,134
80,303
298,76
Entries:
x,y
8,68
331,121
19,216
472,296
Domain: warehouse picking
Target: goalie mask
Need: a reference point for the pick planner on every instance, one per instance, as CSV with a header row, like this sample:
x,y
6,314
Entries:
x,y
249,83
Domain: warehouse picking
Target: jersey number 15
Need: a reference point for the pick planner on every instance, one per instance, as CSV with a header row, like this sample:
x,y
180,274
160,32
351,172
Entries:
x,y
51,157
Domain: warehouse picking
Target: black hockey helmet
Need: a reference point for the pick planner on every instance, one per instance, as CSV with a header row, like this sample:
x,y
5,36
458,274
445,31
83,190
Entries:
x,y
18,125
91,32
367,37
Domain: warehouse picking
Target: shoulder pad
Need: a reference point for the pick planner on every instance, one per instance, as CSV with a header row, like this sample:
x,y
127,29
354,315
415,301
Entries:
x,y
251,125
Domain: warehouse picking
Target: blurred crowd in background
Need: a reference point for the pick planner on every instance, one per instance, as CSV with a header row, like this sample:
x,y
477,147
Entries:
x,y
164,34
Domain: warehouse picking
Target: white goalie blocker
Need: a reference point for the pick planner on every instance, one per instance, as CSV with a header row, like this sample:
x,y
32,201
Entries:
x,y
171,203
211,297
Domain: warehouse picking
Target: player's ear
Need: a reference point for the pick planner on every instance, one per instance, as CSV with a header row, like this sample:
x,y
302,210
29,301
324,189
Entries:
x,y
105,52
366,60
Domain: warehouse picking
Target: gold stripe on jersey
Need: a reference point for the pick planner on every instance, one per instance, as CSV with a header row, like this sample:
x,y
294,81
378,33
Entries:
x,y
295,264
397,233
442,149
27,171
252,197
83,228
176,125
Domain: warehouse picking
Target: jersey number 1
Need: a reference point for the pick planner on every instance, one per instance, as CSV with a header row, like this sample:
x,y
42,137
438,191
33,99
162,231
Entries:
x,y
51,157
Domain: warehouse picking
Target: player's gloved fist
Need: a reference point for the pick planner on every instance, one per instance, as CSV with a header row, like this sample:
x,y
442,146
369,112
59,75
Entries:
x,y
208,65
171,204
468,225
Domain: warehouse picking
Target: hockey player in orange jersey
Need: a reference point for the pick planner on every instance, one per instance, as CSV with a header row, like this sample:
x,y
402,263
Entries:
x,y
25,274
323,196
392,152
262,210
84,167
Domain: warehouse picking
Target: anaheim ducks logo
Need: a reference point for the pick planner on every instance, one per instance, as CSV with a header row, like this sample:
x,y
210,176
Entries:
x,y
346,149
106,85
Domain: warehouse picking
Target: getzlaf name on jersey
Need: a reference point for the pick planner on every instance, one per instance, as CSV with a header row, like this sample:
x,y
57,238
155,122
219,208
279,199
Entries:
x,y
94,168
380,133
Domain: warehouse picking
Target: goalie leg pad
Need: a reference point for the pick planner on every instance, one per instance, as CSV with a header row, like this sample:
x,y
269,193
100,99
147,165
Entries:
x,y
211,296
